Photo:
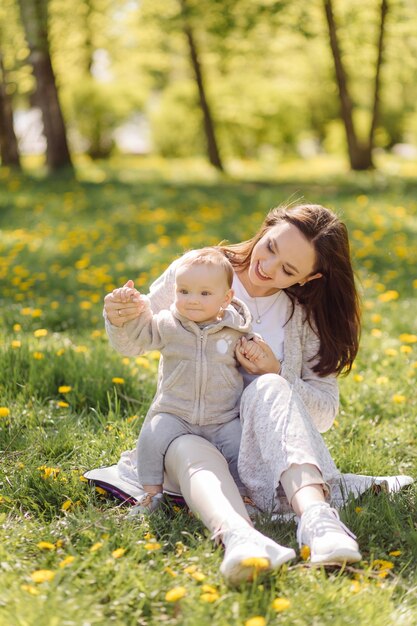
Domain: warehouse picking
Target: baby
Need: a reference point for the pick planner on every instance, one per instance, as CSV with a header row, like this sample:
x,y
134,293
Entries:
x,y
199,385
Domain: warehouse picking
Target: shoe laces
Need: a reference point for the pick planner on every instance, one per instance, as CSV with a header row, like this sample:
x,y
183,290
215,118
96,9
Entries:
x,y
319,519
244,534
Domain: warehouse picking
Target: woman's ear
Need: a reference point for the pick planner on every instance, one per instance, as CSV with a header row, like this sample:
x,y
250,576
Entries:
x,y
314,277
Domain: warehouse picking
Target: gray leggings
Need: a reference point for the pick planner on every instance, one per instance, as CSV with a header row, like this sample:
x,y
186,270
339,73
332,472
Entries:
x,y
161,430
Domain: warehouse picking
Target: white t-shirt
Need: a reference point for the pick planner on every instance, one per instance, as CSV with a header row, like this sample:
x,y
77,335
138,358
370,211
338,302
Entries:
x,y
272,313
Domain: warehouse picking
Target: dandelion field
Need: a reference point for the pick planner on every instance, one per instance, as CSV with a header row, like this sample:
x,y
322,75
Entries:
x,y
69,403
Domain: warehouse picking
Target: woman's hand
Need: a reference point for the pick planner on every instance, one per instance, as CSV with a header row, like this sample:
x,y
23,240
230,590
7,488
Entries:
x,y
123,305
267,363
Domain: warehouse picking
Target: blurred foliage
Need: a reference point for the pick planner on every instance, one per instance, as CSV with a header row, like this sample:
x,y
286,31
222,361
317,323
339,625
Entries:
x,y
267,64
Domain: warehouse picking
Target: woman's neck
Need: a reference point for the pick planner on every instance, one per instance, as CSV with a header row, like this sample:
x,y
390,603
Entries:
x,y
254,291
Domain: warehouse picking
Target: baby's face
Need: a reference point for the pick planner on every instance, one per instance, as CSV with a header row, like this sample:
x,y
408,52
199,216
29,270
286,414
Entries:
x,y
201,291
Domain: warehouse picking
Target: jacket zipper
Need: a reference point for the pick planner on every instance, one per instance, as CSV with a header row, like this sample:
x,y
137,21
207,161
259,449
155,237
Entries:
x,y
199,380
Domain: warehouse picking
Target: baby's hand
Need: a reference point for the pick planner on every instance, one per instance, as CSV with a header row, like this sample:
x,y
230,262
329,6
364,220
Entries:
x,y
124,304
126,294
252,351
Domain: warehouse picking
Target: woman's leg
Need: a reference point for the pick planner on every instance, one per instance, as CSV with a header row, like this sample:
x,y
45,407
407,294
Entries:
x,y
198,470
319,526
281,446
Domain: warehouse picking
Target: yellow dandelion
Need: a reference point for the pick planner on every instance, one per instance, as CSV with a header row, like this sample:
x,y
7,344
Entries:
x,y
16,343
376,318
305,553
358,509
388,296
30,589
382,565
170,571
59,543
101,491
198,576
67,561
116,554
258,620
142,361
358,378
67,505
375,332
96,546
355,587
190,569
80,349
49,472
208,589
17,328
4,411
175,594
406,349
118,381
397,398
46,545
83,479
152,546
40,332
280,604
62,405
42,575
64,389
395,553
258,563
391,352
209,597
38,356
382,380
408,338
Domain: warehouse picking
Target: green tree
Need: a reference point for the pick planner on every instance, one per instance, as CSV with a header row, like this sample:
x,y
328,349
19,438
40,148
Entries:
x,y
34,14
360,153
9,151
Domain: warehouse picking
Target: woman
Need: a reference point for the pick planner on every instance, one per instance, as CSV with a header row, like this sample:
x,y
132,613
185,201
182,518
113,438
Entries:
x,y
295,276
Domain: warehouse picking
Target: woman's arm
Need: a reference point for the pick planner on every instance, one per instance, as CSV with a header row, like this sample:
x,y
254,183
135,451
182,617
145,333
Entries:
x,y
319,394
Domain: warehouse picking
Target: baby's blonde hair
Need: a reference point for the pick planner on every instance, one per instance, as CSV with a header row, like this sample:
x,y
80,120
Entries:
x,y
208,256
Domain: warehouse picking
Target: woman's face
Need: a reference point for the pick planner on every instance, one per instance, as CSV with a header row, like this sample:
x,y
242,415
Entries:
x,y
282,258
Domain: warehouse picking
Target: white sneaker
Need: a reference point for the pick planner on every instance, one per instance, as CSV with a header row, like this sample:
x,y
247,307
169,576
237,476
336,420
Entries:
x,y
248,552
329,540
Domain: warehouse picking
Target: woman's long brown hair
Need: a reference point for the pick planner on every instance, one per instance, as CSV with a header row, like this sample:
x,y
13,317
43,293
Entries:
x,y
331,303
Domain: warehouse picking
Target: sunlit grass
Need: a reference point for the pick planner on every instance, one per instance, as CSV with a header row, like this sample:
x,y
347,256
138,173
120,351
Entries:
x,y
69,403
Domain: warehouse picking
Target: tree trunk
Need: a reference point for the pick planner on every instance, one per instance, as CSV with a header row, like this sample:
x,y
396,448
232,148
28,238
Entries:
x,y
360,156
9,151
35,21
212,146
379,61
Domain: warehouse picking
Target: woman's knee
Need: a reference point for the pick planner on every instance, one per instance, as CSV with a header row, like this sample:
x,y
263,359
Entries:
x,y
265,387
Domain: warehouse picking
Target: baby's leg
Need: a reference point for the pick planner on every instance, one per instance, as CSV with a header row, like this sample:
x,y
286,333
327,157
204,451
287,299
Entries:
x,y
226,438
154,439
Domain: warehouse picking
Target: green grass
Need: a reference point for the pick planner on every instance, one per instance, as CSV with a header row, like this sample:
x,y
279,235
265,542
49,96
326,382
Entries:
x,y
64,244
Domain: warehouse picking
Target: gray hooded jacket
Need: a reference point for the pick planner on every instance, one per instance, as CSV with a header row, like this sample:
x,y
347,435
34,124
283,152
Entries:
x,y
198,375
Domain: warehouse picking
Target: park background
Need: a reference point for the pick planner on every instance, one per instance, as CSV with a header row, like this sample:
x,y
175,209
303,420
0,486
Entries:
x,y
130,132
